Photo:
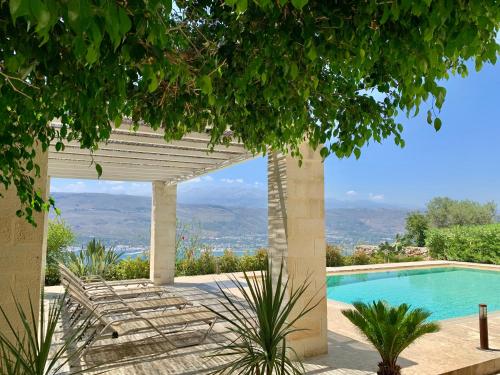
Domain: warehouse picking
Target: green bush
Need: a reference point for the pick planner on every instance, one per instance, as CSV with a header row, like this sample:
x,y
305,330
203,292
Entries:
x,y
94,259
187,265
334,257
132,268
417,225
444,212
202,262
260,256
357,258
59,237
255,262
228,262
206,263
478,244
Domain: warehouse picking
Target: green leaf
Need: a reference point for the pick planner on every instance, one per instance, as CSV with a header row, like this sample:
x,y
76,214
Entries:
x,y
205,84
429,117
125,24
153,83
294,70
40,11
357,153
91,56
118,121
437,123
299,4
312,54
18,8
98,168
241,6
167,5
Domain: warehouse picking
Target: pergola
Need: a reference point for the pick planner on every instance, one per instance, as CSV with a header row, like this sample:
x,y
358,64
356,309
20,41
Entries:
x,y
143,155
295,214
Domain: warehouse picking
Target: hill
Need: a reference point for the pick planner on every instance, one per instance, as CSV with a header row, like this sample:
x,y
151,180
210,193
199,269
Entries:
x,y
125,220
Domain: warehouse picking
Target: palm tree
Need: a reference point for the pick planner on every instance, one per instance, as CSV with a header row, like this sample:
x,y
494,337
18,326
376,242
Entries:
x,y
390,329
262,324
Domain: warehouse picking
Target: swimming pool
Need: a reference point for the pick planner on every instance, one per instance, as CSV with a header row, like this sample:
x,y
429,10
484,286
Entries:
x,y
447,292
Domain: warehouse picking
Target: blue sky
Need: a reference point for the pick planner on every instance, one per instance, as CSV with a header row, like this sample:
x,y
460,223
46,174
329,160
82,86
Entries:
x,y
460,161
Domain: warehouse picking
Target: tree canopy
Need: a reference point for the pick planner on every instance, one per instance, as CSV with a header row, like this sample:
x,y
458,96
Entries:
x,y
443,212
336,73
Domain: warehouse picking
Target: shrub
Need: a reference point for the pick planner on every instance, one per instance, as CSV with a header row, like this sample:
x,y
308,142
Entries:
x,y
334,257
132,268
357,258
206,263
417,225
260,259
94,259
479,243
187,264
59,237
255,262
228,262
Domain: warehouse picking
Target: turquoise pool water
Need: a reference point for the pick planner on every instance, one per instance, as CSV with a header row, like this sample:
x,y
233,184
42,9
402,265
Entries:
x,y
447,292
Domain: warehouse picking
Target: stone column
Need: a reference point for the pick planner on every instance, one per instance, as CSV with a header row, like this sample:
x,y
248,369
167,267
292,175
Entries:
x,y
297,236
163,226
22,250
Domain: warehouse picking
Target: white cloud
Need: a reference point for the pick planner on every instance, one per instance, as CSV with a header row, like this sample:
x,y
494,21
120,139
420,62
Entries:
x,y
376,197
207,178
232,181
351,193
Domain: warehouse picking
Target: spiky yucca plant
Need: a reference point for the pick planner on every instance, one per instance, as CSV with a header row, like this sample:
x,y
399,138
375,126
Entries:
x,y
94,259
27,351
263,325
390,329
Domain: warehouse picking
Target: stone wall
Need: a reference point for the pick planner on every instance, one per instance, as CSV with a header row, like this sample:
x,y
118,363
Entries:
x,y
409,250
416,251
367,249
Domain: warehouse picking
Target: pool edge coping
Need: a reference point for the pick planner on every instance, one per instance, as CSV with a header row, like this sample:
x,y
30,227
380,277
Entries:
x,y
346,270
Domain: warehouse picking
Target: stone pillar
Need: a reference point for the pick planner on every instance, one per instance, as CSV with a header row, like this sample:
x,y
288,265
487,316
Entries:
x,y
297,236
163,226
22,250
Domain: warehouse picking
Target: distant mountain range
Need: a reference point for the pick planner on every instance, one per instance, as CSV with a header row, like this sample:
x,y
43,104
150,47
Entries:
x,y
241,223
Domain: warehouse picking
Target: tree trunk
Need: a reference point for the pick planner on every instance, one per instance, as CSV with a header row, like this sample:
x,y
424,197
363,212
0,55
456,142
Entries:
x,y
387,368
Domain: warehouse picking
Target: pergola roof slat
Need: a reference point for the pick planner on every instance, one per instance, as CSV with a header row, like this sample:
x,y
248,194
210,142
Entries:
x,y
145,156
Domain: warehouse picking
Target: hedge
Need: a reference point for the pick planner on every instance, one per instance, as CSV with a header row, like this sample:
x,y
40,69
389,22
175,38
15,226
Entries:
x,y
478,243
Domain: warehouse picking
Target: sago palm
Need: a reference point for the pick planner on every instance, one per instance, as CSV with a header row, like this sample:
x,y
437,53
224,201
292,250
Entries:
x,y
390,329
262,323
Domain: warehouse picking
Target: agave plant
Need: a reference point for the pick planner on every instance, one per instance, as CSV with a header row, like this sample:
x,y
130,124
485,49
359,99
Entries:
x,y
390,329
95,259
262,324
27,351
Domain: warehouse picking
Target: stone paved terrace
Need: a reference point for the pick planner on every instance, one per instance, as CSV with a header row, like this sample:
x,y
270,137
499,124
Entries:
x,y
454,347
